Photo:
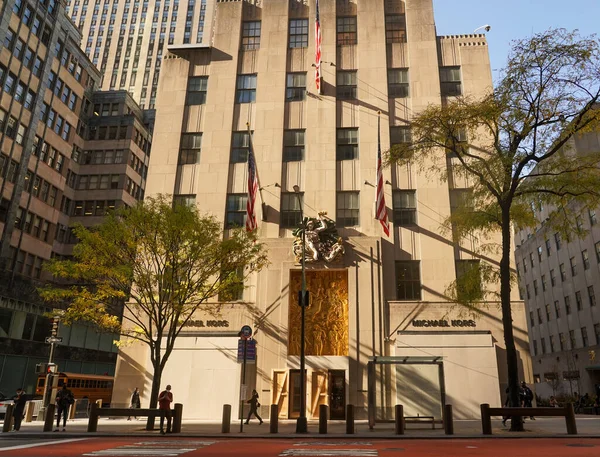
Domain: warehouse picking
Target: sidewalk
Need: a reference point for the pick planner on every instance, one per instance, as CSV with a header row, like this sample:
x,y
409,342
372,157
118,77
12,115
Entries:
x,y
587,426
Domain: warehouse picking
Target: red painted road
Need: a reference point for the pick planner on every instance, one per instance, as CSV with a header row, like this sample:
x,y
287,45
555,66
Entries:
x,y
196,447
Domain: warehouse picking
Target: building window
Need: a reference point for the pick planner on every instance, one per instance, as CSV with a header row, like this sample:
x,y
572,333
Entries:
x,y
535,287
539,316
573,263
578,301
572,339
543,341
298,33
191,144
408,280
548,248
250,35
450,81
295,90
539,253
531,319
563,272
400,135
246,89
196,90
348,204
236,210
398,83
346,30
544,283
562,341
185,200
346,85
468,279
527,291
524,265
531,259
347,144
597,333
405,207
568,305
293,145
586,259
535,347
593,219
591,295
395,28
557,308
552,278
558,241
240,146
291,213
584,337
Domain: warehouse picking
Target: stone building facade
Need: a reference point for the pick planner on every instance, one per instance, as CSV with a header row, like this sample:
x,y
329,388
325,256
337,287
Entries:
x,y
380,329
68,154
559,280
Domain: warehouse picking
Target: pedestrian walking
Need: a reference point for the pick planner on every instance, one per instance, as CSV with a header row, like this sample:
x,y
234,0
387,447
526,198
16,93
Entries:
x,y
506,405
19,408
135,401
527,395
64,399
164,404
254,404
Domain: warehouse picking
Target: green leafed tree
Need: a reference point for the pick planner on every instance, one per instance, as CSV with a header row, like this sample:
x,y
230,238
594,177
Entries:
x,y
146,270
513,146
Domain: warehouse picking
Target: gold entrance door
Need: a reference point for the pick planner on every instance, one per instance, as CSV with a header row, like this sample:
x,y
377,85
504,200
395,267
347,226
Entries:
x,y
294,394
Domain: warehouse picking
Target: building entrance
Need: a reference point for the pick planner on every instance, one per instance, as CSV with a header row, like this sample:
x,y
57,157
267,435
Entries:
x,y
328,387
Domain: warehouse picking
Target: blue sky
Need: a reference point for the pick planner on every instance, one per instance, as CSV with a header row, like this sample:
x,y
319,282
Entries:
x,y
512,19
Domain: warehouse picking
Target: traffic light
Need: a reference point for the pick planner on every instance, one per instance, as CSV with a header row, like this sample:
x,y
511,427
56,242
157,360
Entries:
x,y
55,322
45,368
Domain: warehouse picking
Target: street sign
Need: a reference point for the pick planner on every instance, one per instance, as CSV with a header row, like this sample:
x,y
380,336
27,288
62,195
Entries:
x,y
54,339
250,351
246,332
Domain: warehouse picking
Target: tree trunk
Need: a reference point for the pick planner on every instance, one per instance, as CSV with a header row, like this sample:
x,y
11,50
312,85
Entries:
x,y
509,338
156,380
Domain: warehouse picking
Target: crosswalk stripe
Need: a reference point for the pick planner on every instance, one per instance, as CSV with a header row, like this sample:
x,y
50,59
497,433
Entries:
x,y
167,448
333,443
329,452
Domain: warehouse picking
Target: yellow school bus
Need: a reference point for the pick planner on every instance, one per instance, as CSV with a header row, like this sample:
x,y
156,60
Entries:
x,y
91,386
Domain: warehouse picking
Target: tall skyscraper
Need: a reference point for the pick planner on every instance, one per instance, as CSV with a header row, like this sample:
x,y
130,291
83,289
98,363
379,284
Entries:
x,y
127,39
68,153
267,99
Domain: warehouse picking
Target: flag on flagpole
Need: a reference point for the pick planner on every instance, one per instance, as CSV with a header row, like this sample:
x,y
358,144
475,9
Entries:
x,y
318,51
380,208
251,224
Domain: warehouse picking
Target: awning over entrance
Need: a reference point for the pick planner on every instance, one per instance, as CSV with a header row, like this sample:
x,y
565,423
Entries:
x,y
406,359
593,368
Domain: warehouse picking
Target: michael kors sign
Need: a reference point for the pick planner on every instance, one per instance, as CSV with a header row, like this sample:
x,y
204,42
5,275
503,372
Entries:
x,y
211,323
444,323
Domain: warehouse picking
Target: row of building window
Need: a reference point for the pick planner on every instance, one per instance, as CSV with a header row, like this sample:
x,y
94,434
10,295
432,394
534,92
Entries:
x,y
47,154
91,207
28,265
23,53
62,91
10,126
347,213
562,341
40,188
56,122
293,144
32,224
35,22
568,309
13,86
346,32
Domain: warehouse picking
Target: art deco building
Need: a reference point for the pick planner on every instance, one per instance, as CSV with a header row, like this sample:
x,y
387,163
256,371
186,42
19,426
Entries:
x,y
127,39
68,154
559,280
380,330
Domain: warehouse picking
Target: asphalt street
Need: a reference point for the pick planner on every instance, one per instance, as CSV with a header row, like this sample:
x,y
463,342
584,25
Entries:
x,y
189,447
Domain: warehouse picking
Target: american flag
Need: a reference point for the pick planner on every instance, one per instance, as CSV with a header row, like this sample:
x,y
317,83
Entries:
x,y
318,51
252,188
380,208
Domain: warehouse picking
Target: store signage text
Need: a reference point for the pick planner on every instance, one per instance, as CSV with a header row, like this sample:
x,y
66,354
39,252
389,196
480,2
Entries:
x,y
212,323
444,323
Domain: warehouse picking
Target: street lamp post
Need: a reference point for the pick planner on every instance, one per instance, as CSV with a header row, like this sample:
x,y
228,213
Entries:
x,y
301,423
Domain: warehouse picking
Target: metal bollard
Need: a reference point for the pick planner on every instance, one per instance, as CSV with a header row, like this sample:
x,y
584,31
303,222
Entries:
x,y
49,419
93,420
8,418
486,422
226,420
177,417
274,419
399,420
323,410
448,420
570,419
350,419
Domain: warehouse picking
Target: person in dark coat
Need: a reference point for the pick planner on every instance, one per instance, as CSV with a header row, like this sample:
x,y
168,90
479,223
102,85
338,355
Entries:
x,y
254,404
164,404
527,396
64,399
135,401
19,408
